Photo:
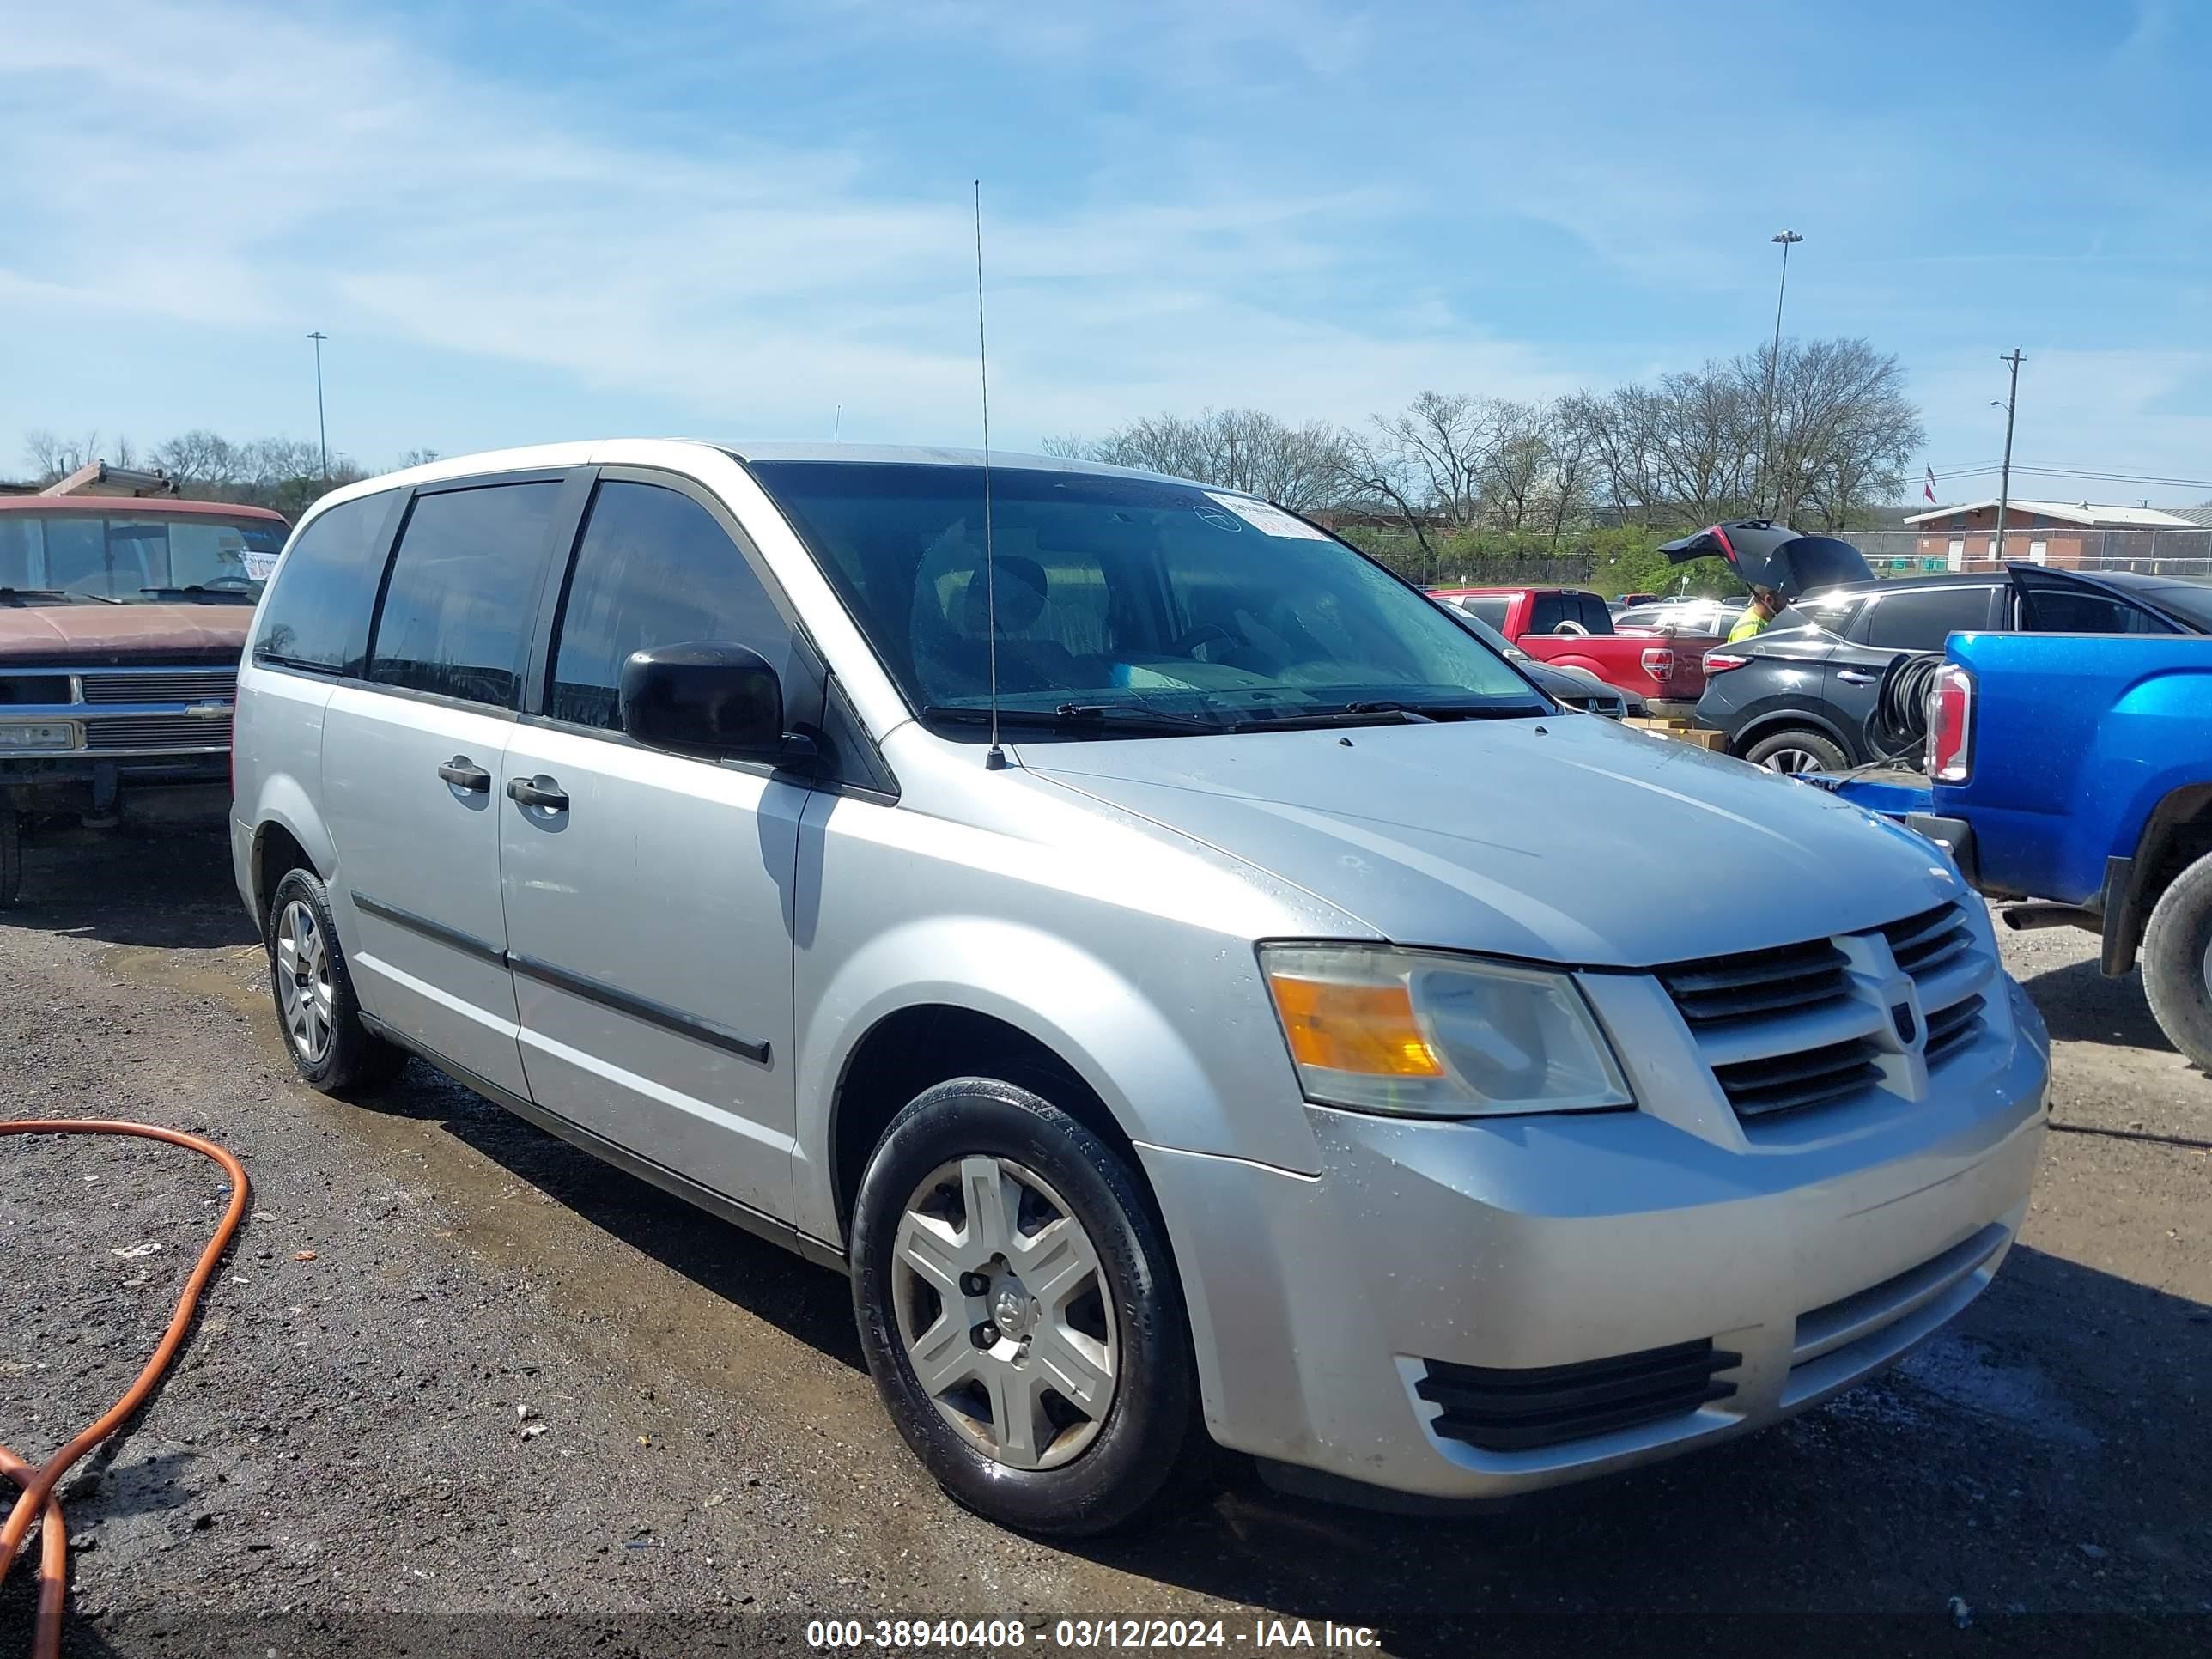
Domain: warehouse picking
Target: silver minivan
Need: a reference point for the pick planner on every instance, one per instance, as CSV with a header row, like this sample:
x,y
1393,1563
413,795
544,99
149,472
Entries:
x,y
1200,994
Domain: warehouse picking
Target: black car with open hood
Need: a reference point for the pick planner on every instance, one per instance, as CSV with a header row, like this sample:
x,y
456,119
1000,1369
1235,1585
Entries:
x,y
1764,554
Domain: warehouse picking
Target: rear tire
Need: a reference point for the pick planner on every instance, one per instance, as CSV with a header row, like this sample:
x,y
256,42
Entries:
x,y
316,1008
11,855
1004,1250
2177,962
1798,749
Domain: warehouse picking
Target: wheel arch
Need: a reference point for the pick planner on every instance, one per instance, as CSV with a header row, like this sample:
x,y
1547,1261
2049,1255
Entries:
x,y
941,998
1761,727
288,834
2177,832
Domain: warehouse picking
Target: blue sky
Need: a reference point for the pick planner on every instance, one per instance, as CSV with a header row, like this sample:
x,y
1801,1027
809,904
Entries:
x,y
523,221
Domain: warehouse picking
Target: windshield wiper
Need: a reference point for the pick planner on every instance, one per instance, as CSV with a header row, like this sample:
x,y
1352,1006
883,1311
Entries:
x,y
66,595
1078,717
201,591
1376,711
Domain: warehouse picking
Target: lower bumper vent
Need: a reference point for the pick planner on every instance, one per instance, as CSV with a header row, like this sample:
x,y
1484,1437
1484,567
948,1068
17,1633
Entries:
x,y
1525,1409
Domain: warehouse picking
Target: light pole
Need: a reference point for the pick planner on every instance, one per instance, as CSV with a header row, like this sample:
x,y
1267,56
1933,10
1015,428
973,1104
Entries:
x,y
1788,238
322,429
2004,479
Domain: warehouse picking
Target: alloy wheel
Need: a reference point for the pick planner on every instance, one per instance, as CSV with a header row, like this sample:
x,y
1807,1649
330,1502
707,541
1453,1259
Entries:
x,y
1004,1311
303,981
1791,762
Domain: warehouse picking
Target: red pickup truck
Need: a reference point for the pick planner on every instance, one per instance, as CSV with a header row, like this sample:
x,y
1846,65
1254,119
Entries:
x,y
1569,628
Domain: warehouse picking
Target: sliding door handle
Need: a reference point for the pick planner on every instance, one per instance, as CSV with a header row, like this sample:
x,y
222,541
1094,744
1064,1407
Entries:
x,y
540,791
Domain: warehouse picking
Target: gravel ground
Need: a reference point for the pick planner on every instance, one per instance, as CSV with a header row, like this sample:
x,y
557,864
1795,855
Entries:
x,y
347,1458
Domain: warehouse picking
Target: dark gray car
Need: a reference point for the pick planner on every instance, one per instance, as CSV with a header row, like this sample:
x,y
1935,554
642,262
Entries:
x,y
1803,696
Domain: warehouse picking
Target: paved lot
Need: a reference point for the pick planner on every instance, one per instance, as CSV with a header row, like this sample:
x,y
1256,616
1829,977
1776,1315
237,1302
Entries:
x,y
339,1457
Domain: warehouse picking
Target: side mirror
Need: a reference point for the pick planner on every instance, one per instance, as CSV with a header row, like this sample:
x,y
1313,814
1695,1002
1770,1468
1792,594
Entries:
x,y
722,702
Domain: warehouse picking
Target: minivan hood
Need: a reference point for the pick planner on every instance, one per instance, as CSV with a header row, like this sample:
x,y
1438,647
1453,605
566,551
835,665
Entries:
x,y
117,634
1568,839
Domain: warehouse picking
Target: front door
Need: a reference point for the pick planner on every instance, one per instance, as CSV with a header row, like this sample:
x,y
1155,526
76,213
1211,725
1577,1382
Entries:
x,y
411,765
649,895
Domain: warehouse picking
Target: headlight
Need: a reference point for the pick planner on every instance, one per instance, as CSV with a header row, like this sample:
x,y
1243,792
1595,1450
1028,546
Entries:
x,y
19,736
1431,1035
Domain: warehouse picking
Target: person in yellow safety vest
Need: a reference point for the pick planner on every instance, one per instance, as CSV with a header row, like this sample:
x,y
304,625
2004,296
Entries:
x,y
1765,603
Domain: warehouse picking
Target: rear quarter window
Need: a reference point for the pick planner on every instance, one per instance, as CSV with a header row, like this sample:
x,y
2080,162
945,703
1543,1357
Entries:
x,y
316,614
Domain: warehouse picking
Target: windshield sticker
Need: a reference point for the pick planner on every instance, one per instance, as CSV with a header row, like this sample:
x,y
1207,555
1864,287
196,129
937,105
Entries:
x,y
1269,520
1219,520
259,565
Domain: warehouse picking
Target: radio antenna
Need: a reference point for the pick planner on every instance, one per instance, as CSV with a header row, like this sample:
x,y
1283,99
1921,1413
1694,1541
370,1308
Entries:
x,y
993,757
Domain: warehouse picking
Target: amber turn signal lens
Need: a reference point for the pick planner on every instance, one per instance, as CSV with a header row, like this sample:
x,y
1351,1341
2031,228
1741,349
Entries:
x,y
1364,1029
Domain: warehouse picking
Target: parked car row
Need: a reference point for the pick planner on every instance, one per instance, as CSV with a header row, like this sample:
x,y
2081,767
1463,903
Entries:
x,y
1199,993
1803,695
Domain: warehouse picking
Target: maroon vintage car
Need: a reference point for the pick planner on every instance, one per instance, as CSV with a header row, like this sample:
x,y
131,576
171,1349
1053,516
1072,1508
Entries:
x,y
121,624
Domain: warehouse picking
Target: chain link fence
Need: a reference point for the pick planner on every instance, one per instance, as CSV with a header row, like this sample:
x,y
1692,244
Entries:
x,y
2153,552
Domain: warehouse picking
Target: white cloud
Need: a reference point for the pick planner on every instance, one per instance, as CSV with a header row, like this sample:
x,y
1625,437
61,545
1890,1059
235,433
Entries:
x,y
281,172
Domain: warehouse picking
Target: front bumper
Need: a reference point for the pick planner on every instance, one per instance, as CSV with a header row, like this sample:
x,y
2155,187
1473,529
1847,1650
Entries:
x,y
1318,1303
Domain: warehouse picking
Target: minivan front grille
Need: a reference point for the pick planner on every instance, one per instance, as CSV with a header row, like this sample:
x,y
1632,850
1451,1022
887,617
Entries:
x,y
1791,1082
1951,1028
1806,1025
168,685
158,732
1524,1408
1926,943
1757,984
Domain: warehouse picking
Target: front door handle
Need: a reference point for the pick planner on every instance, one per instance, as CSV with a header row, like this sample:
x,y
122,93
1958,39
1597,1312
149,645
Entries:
x,y
465,774
540,791
1856,677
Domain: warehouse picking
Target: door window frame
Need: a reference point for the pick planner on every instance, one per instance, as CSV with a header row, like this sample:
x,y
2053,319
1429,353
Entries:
x,y
804,705
395,533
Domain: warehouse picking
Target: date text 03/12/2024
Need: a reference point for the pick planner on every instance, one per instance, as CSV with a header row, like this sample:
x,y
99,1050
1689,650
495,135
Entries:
x,y
1084,1634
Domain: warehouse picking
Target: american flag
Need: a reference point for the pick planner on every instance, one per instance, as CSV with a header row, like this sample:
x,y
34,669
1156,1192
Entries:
x,y
1928,490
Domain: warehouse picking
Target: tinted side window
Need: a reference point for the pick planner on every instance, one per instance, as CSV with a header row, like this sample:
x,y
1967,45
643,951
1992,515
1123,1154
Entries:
x,y
1922,621
317,614
2055,611
653,568
456,613
1595,616
1549,610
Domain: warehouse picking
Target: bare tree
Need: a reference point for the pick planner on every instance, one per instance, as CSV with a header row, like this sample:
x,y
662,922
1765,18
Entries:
x,y
1517,463
1843,428
1243,449
203,462
418,457
1443,438
53,458
1376,474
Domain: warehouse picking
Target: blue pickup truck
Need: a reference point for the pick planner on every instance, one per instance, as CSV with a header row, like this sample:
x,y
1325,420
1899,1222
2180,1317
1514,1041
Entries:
x,y
2073,773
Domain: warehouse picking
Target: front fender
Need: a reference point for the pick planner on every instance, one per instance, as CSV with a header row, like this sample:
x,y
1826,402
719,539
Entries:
x,y
1098,1019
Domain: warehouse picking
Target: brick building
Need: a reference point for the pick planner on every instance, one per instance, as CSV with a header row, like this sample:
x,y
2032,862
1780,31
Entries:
x,y
2038,532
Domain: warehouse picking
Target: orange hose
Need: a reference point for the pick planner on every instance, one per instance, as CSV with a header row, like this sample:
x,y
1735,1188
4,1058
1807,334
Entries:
x,y
37,1506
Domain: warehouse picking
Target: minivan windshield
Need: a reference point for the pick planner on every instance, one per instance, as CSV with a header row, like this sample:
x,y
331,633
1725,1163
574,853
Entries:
x,y
1125,604
136,556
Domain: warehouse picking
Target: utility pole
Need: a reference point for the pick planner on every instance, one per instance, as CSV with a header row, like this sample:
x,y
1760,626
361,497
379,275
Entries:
x,y
1788,238
322,429
2005,479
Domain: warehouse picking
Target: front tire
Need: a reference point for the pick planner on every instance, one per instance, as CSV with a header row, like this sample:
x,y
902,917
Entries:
x,y
1020,1315
316,1007
1798,749
2177,962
